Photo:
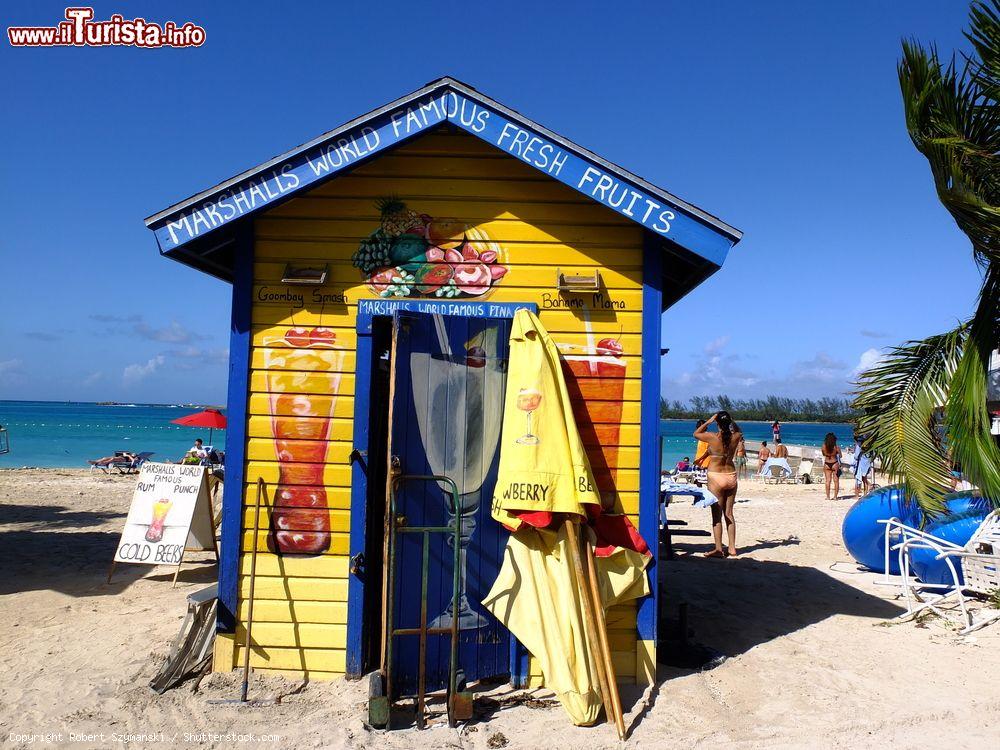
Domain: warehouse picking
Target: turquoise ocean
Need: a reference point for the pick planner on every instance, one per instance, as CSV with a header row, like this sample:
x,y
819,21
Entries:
x,y
58,434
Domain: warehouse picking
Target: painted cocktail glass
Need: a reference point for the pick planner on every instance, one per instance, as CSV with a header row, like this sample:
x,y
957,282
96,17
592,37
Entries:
x,y
528,399
155,531
459,405
301,426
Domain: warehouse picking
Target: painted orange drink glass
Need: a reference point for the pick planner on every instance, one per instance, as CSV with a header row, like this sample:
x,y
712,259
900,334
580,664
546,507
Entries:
x,y
301,425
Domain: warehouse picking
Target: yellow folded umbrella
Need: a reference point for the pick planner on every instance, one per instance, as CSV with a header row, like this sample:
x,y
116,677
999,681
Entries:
x,y
544,470
543,465
537,598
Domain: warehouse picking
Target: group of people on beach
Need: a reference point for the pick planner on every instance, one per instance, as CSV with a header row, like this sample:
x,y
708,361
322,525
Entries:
x,y
722,454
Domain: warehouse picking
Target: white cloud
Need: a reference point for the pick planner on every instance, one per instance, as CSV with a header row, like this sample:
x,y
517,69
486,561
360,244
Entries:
x,y
869,358
10,366
716,345
93,378
172,333
821,369
193,357
137,372
714,371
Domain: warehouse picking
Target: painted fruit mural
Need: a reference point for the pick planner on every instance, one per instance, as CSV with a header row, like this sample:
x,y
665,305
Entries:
x,y
418,255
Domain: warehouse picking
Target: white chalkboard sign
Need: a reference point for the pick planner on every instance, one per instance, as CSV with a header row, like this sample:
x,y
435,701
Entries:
x,y
171,513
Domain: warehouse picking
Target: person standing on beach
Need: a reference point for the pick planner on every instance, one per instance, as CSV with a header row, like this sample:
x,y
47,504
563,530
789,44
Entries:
x,y
740,458
862,468
776,431
831,464
722,480
780,451
762,455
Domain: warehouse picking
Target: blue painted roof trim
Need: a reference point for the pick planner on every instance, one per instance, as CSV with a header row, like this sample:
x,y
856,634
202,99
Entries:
x,y
189,230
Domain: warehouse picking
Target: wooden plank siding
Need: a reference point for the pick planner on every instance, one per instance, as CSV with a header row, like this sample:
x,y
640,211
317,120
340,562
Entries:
x,y
543,227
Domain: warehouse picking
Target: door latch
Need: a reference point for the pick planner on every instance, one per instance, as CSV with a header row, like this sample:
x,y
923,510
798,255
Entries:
x,y
357,566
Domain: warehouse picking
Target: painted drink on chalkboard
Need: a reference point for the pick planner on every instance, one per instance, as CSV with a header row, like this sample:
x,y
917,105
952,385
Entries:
x,y
417,255
301,423
160,509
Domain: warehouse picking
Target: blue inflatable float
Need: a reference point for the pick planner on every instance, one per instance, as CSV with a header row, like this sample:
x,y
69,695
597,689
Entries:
x,y
864,536
964,501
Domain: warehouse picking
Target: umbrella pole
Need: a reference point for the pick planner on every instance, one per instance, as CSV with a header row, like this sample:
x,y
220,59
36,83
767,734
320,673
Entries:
x,y
590,623
602,634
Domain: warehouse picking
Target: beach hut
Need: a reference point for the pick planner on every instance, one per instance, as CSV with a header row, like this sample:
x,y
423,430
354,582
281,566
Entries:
x,y
366,263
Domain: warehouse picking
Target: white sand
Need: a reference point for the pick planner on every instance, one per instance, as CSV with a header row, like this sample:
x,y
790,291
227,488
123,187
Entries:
x,y
812,660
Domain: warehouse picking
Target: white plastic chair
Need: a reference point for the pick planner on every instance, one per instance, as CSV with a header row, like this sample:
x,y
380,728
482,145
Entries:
x,y
805,469
978,561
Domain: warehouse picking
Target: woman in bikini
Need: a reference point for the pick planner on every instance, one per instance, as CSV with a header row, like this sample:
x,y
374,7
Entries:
x,y
722,481
831,464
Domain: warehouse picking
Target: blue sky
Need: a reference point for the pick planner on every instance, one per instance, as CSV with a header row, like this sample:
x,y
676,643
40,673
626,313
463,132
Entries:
x,y
783,118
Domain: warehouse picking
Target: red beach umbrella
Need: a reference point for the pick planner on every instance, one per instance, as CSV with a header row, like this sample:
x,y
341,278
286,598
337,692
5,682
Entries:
x,y
213,419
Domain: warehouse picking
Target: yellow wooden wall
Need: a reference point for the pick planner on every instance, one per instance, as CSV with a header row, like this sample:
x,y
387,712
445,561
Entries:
x,y
300,606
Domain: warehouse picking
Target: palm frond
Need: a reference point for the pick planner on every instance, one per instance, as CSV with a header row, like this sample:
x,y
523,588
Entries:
x,y
899,398
955,124
984,33
967,418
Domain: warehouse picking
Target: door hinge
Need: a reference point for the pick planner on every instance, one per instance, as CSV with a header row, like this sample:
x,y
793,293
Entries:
x,y
358,564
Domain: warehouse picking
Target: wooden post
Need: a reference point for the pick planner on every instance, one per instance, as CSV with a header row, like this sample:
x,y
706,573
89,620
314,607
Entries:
x,y
387,521
590,622
253,577
602,634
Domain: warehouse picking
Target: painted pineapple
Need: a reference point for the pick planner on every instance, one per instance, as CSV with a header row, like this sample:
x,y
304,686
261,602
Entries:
x,y
396,217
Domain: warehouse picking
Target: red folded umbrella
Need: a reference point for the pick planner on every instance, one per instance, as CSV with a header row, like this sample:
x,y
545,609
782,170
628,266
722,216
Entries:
x,y
213,419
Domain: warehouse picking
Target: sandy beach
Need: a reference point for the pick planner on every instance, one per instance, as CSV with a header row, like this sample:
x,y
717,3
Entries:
x,y
812,660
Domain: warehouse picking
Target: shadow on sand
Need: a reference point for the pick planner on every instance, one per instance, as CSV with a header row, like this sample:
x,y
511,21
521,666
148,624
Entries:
x,y
74,562
54,516
738,603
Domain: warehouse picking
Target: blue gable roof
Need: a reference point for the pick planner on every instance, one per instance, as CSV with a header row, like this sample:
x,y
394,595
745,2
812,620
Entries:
x,y
199,231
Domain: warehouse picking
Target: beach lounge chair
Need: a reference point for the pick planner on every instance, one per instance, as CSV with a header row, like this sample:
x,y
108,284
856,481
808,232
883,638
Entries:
x,y
978,562
122,462
191,652
775,475
805,471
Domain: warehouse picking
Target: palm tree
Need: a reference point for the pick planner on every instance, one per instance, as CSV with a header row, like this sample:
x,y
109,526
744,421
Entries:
x,y
924,405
